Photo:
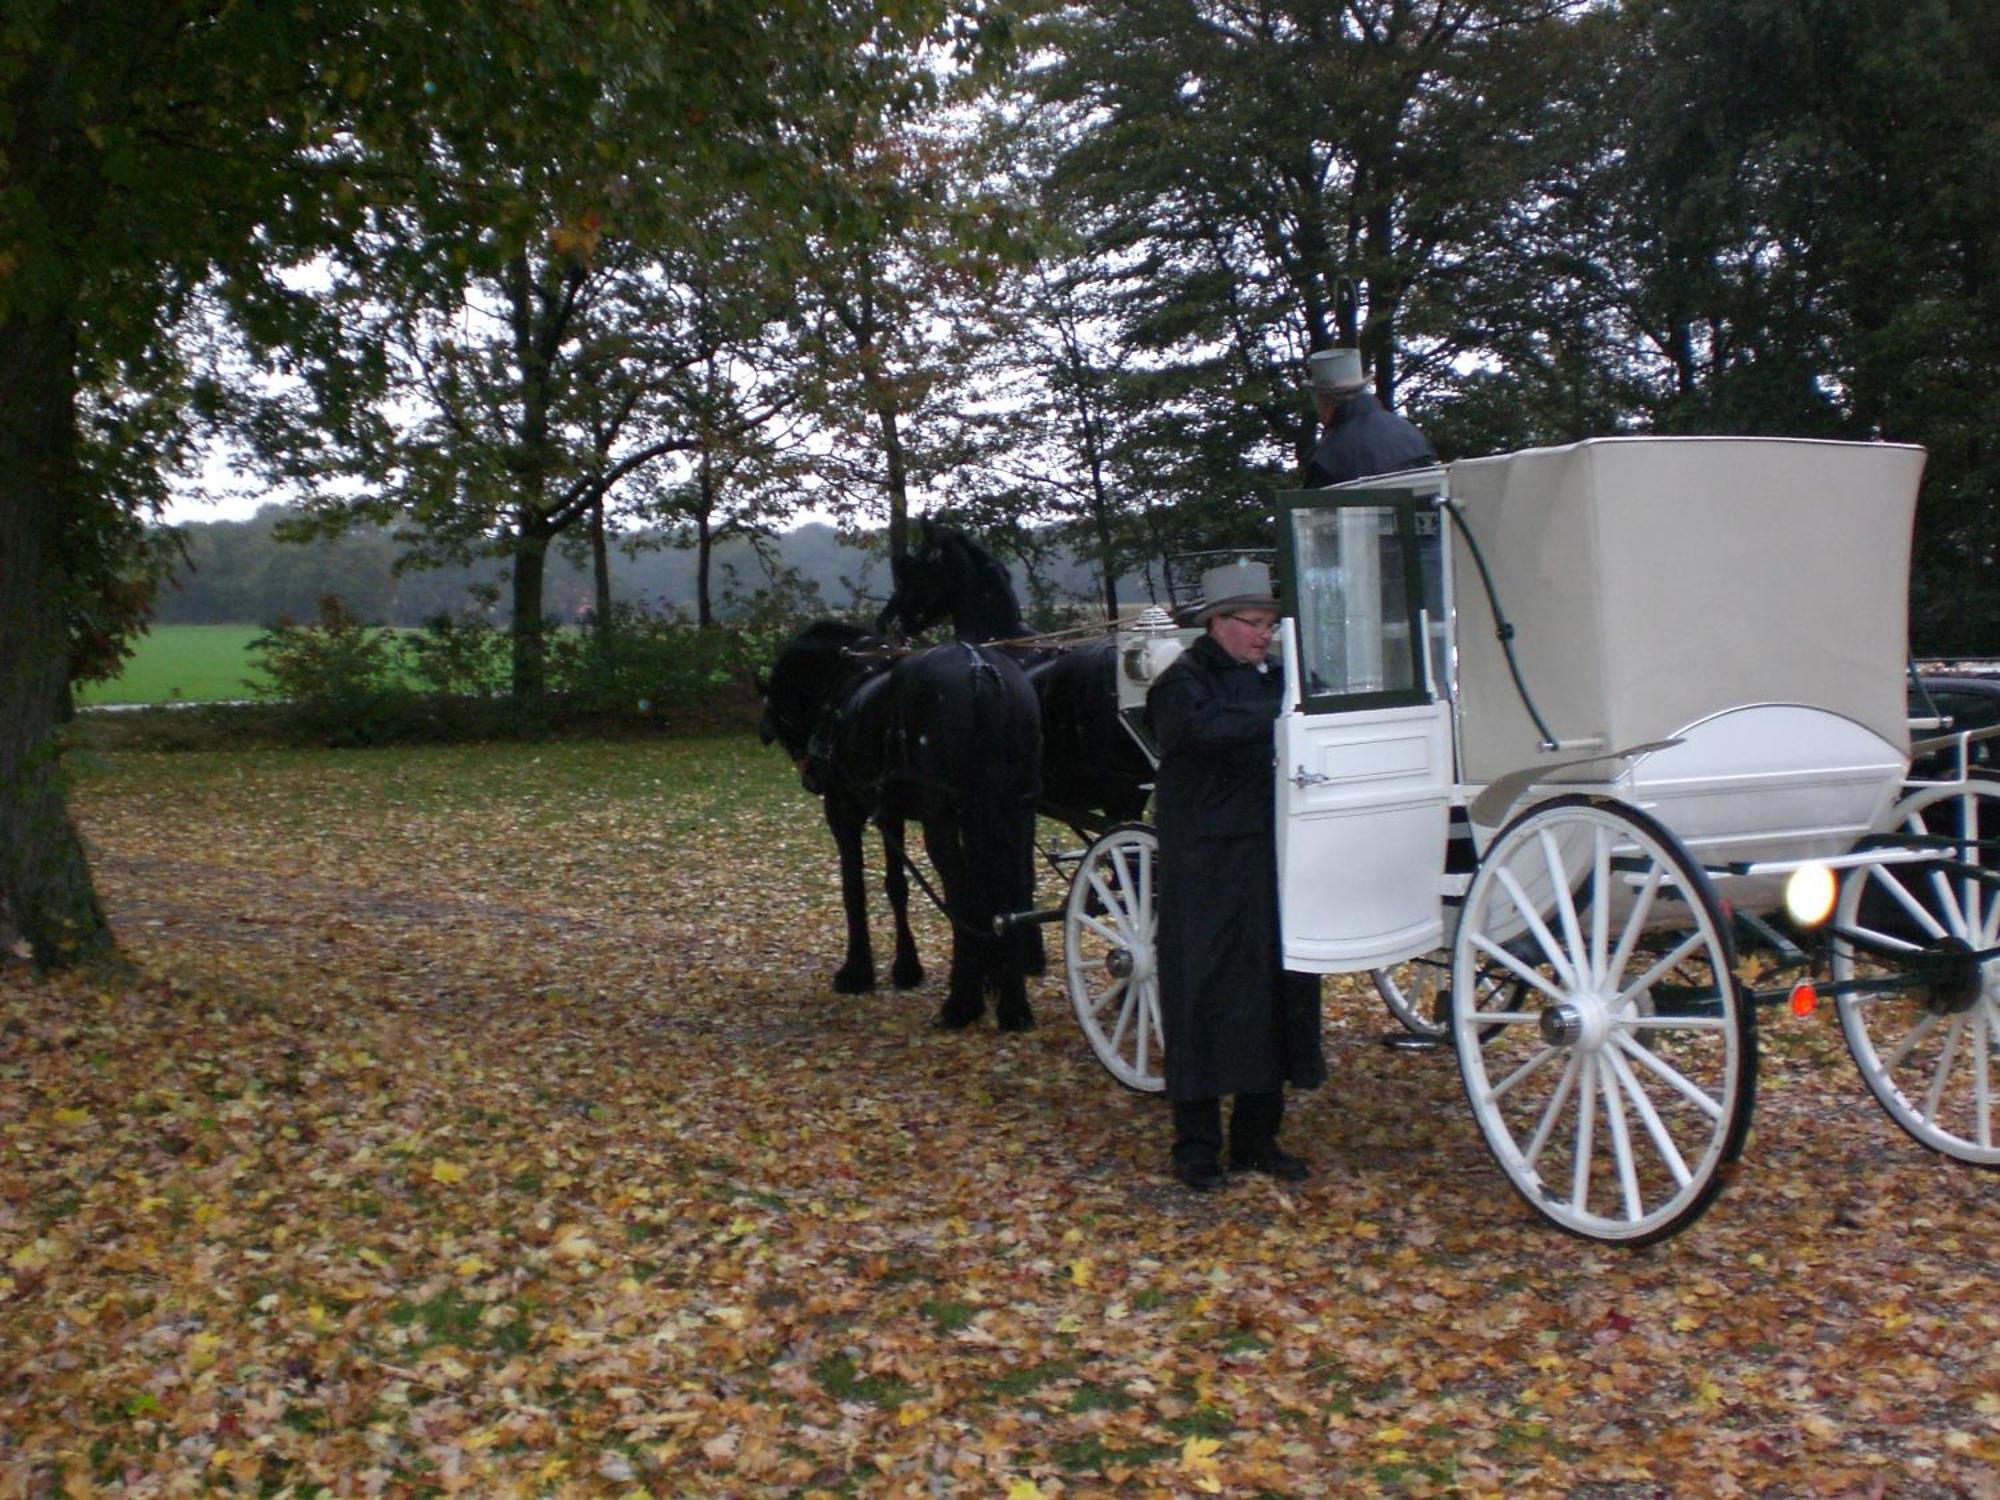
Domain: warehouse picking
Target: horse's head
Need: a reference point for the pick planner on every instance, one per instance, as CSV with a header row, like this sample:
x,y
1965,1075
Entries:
x,y
807,675
948,575
924,584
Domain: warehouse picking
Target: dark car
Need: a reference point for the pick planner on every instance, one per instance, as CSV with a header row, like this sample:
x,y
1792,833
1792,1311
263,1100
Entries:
x,y
1963,703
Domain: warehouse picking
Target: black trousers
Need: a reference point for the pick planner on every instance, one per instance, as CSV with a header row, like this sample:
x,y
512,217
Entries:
x,y
1253,1125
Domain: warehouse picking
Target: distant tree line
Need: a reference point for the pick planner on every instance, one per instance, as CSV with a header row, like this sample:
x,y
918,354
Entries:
x,y
245,572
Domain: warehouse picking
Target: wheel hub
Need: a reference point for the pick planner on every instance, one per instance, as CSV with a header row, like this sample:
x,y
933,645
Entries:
x,y
1952,977
1583,1020
1119,964
1561,1025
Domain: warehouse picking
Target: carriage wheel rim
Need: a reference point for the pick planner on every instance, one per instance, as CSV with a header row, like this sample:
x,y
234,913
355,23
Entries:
x,y
1608,1068
1108,956
1931,1059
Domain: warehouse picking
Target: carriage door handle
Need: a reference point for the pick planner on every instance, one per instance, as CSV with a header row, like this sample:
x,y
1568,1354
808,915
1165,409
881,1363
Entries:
x,y
1303,778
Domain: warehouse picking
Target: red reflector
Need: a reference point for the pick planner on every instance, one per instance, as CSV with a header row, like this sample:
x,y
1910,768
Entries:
x,y
1805,999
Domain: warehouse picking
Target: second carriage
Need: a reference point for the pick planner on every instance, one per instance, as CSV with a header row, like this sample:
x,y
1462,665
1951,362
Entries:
x,y
1561,727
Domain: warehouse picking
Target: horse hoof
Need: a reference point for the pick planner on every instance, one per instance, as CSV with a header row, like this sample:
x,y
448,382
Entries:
x,y
950,1020
1022,1021
907,978
862,983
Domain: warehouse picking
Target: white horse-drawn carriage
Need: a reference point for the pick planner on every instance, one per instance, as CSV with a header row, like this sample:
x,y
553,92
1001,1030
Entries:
x,y
1560,727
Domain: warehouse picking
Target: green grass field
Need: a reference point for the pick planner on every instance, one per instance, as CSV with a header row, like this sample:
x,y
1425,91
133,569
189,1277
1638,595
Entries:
x,y
181,664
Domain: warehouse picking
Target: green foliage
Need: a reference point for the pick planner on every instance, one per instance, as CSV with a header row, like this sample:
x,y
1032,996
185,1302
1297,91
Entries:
x,y
457,655
333,676
648,668
337,681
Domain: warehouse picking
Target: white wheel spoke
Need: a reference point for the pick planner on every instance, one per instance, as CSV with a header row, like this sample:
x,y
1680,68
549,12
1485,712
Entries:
x,y
1649,1116
1968,885
1887,940
1668,1074
1124,882
1600,904
1101,1001
1552,1111
1110,897
1586,1116
1518,969
1674,1023
1579,956
1902,1049
1918,913
1621,1145
1116,1040
1635,923
1110,934
1523,1073
1551,949
1671,960
1947,1054
1948,903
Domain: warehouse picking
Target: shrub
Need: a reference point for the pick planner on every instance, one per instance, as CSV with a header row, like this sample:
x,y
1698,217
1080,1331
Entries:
x,y
456,655
339,682
639,667
336,677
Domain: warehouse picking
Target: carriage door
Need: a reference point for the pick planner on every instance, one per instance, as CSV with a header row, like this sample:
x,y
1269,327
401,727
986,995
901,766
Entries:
x,y
1365,768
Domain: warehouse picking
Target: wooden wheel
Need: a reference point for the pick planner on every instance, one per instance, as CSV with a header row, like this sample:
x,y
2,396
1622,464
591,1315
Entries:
x,y
1608,1056
1109,951
1929,1047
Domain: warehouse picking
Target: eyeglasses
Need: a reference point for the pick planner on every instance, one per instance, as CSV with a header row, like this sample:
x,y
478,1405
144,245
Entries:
x,y
1262,627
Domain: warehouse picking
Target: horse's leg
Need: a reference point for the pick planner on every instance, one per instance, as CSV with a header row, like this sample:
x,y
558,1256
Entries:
x,y
856,975
908,971
965,997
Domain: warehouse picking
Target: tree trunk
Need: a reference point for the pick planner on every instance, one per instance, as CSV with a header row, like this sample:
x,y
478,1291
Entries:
x,y
704,544
48,906
531,556
898,479
600,564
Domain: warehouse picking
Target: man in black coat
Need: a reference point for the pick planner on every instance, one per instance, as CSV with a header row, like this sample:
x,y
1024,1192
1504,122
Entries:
x,y
1362,436
1235,1022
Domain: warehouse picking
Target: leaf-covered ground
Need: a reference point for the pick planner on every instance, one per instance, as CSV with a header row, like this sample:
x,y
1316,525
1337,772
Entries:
x,y
480,1122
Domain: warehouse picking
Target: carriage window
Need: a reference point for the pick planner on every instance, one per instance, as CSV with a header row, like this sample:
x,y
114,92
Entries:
x,y
1355,613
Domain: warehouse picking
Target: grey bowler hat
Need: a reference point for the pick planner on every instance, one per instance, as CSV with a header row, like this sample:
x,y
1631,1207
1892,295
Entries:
x,y
1335,370
1243,584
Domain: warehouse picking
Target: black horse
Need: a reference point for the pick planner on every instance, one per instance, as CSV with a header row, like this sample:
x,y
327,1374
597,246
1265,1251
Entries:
x,y
949,738
1093,772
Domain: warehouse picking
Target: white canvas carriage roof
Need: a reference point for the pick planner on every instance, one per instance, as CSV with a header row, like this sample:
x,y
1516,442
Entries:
x,y
1653,582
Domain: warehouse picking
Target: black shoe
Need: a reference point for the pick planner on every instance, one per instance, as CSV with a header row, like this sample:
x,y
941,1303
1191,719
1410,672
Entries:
x,y
1200,1176
1272,1161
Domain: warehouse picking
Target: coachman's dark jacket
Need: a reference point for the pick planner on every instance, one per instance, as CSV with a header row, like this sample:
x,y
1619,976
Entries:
x,y
1235,1022
1366,438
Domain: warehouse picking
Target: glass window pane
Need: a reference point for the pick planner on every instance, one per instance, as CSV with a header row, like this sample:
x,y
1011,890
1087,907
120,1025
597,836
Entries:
x,y
1353,609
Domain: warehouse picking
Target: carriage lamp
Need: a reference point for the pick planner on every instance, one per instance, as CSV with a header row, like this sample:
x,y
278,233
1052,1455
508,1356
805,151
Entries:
x,y
1809,894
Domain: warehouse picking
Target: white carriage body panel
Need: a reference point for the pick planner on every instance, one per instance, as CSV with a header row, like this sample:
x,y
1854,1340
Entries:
x,y
1773,781
1655,583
